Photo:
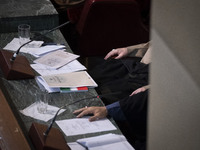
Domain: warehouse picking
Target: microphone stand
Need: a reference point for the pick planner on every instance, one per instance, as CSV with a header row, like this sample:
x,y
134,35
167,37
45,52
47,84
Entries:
x,y
14,67
54,118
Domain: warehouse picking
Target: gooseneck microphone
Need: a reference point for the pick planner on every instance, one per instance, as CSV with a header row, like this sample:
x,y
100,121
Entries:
x,y
38,37
54,118
47,137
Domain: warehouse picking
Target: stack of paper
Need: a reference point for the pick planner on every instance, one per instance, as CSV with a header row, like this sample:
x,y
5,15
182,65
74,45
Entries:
x,y
75,81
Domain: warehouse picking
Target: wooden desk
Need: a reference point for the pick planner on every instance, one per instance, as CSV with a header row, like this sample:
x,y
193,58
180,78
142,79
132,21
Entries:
x,y
11,135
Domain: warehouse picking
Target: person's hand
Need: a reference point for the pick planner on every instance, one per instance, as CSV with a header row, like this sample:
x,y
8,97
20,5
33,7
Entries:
x,y
142,89
117,53
98,112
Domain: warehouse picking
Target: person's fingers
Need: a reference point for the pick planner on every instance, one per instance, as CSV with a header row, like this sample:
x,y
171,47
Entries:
x,y
80,110
107,56
133,93
110,54
83,113
119,56
93,118
142,89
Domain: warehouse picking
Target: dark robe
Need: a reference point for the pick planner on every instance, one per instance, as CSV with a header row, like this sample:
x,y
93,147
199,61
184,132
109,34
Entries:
x,y
135,111
125,76
122,75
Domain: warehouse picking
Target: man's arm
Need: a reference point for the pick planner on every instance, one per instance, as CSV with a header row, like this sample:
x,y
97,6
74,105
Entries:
x,y
113,110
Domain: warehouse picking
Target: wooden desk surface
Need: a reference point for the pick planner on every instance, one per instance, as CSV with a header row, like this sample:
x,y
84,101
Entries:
x,y
11,136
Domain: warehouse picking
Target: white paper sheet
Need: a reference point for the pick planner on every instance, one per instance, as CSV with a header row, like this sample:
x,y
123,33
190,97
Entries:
x,y
101,140
32,46
32,111
108,141
56,59
44,86
73,79
83,126
75,146
46,49
124,145
73,66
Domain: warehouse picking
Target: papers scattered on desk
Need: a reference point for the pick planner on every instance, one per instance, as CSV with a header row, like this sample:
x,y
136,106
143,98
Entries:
x,y
46,49
73,79
83,126
106,142
32,111
34,48
14,45
56,59
70,67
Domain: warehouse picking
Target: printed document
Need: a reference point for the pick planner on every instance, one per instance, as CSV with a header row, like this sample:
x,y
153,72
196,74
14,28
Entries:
x,y
44,86
44,70
32,46
75,146
106,142
73,79
56,59
83,126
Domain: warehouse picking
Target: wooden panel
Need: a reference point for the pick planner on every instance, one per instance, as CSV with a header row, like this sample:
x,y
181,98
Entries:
x,y
11,136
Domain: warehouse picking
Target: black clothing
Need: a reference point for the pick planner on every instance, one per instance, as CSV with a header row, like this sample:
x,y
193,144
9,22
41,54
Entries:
x,y
135,111
121,75
125,76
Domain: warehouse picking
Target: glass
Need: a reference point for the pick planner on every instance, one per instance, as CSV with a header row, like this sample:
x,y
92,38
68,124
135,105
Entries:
x,y
42,102
24,33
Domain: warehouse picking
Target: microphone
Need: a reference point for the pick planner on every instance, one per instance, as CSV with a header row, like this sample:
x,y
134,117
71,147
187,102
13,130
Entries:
x,y
16,67
53,140
38,37
54,118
